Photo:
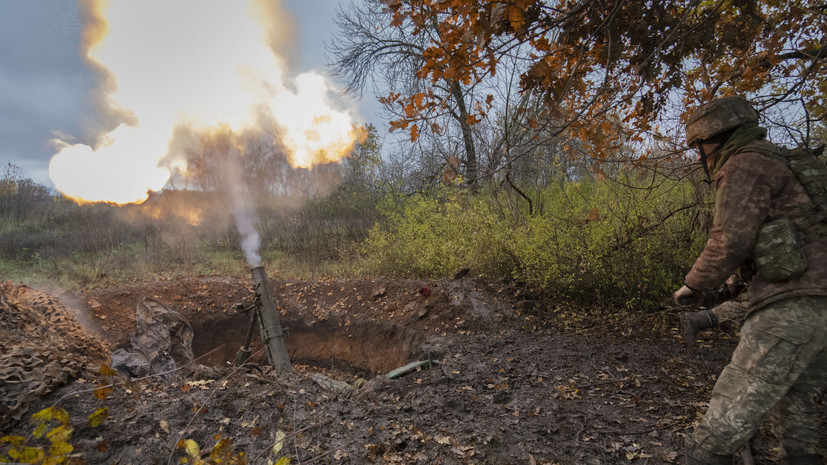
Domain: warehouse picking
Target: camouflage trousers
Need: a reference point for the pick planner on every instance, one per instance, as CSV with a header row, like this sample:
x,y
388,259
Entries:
x,y
732,311
778,370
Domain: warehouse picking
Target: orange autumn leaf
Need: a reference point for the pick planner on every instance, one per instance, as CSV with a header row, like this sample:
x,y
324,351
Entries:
x,y
414,133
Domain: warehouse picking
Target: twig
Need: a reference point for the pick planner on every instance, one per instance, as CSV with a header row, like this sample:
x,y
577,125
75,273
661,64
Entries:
x,y
319,456
295,441
577,435
314,425
601,383
633,433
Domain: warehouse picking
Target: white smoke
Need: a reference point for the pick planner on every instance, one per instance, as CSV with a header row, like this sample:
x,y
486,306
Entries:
x,y
244,221
243,210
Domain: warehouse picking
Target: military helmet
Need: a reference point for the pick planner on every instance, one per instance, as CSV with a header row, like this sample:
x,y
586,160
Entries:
x,y
718,116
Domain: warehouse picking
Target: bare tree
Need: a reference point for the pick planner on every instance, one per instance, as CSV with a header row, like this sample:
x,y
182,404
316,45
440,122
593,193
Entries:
x,y
369,50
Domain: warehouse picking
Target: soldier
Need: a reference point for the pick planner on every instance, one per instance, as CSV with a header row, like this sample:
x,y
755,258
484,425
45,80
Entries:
x,y
766,215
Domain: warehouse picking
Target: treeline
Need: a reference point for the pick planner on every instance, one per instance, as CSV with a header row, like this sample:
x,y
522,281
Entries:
x,y
19,195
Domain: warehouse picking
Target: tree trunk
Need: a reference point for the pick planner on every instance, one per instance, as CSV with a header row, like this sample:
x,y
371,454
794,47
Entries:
x,y
471,170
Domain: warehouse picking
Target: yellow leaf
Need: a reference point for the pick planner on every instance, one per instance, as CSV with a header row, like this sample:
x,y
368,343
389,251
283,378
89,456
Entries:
x,y
14,440
60,448
61,433
279,442
60,415
40,430
190,446
221,451
44,415
27,454
97,418
283,461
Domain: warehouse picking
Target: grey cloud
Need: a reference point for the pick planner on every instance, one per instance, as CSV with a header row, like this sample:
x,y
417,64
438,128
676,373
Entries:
x,y
44,85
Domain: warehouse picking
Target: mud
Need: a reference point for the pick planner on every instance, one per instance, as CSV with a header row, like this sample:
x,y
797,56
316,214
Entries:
x,y
512,387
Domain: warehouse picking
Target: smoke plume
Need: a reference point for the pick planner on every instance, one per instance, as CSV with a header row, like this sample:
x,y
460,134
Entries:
x,y
244,215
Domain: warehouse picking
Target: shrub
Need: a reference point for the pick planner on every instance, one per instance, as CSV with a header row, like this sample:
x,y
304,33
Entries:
x,y
596,242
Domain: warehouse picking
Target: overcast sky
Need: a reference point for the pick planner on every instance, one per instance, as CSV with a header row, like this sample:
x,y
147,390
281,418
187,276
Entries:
x,y
44,85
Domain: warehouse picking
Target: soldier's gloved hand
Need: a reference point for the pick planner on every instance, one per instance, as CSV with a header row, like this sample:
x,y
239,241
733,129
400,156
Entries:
x,y
734,287
688,296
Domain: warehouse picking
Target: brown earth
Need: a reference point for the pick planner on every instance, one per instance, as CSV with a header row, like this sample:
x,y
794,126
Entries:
x,y
512,387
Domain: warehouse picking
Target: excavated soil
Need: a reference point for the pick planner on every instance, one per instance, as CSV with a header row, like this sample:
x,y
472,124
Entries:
x,y
511,387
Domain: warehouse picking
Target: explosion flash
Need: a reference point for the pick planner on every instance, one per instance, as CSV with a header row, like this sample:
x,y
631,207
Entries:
x,y
199,64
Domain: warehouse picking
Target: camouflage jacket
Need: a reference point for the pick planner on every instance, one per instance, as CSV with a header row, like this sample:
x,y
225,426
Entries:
x,y
751,189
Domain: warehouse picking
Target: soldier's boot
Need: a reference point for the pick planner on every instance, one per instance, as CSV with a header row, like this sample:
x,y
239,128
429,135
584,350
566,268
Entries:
x,y
695,455
692,322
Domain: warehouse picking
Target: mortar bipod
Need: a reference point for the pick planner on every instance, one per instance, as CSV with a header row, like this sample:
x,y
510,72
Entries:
x,y
244,352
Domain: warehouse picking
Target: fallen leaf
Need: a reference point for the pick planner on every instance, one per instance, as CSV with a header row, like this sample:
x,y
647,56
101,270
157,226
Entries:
x,y
190,446
279,444
60,434
249,424
668,456
59,448
97,418
106,370
102,392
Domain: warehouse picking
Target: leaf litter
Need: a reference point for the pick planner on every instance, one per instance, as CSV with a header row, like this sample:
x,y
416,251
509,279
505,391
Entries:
x,y
509,387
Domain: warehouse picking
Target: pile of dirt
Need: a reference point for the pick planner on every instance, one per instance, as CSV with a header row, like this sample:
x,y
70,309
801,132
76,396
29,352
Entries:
x,y
507,388
42,346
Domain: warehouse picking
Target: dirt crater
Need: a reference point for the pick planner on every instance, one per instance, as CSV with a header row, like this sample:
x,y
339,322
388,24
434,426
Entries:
x,y
361,348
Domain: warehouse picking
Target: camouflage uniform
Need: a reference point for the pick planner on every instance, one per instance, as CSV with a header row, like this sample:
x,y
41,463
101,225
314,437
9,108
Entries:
x,y
732,311
780,364
779,367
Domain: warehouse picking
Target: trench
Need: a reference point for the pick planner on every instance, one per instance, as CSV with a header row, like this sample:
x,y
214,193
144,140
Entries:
x,y
359,348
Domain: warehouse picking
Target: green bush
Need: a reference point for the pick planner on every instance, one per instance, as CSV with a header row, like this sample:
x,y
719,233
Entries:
x,y
595,242
435,237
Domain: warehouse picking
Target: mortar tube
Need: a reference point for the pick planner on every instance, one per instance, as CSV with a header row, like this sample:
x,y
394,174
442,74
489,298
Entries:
x,y
271,332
